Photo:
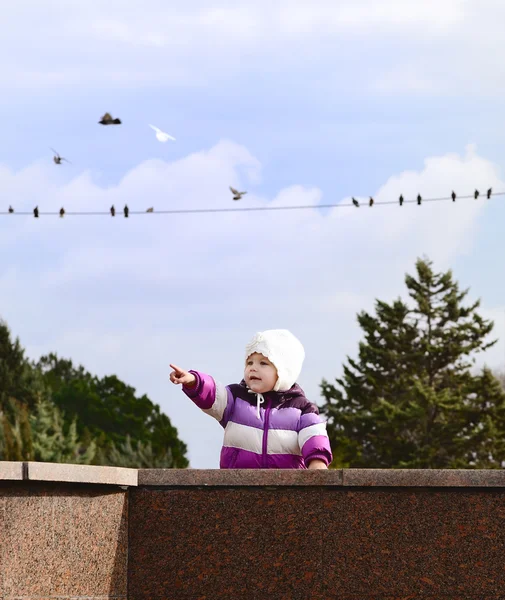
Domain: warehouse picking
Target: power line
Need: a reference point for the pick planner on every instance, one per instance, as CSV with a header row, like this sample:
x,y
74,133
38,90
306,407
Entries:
x,y
126,212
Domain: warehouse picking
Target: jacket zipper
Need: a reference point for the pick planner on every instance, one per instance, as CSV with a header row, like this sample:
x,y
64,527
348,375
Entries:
x,y
265,435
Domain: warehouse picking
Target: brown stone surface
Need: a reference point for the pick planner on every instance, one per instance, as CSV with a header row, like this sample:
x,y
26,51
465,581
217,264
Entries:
x,y
63,541
446,544
40,471
317,543
224,543
240,477
424,477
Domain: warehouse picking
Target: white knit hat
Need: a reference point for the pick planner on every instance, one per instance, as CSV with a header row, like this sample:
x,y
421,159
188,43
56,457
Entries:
x,y
282,349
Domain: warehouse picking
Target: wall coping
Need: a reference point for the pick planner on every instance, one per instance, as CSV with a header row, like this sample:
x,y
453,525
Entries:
x,y
324,477
91,474
67,473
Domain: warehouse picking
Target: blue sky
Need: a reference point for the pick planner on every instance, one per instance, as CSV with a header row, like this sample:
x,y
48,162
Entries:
x,y
299,103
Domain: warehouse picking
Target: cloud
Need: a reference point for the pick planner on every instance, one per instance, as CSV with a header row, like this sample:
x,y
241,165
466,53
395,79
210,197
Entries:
x,y
391,47
128,296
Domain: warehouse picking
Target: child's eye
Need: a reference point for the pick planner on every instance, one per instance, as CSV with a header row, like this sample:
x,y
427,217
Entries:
x,y
264,363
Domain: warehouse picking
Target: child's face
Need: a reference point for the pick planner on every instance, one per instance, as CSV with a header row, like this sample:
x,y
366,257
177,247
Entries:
x,y
260,374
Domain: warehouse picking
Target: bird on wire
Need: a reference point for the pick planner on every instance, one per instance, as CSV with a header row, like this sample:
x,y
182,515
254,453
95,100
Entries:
x,y
355,202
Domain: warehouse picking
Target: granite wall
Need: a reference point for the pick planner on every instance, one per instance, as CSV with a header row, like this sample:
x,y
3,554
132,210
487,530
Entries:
x,y
69,531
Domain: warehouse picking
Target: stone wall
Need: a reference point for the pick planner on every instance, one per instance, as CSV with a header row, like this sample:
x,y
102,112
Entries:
x,y
71,531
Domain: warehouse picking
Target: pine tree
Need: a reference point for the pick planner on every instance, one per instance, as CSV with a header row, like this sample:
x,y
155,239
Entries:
x,y
140,457
41,435
18,379
53,442
410,400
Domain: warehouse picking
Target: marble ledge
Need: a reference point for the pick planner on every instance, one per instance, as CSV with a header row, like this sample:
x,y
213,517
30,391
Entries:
x,y
90,474
323,478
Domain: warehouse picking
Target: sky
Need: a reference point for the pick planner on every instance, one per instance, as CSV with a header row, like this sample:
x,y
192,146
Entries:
x,y
299,104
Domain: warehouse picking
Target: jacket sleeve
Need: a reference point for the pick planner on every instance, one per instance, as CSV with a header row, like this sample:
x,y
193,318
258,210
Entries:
x,y
212,397
312,437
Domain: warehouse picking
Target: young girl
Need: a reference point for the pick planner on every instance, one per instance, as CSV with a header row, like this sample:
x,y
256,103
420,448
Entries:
x,y
268,422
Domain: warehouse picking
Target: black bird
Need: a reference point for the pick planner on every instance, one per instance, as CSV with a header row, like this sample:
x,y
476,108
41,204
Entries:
x,y
370,203
113,211
476,194
62,211
108,120
355,202
453,196
126,211
419,199
11,210
400,199
36,212
489,192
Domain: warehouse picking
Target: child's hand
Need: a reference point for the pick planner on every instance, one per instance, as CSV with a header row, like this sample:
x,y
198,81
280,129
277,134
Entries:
x,y
178,376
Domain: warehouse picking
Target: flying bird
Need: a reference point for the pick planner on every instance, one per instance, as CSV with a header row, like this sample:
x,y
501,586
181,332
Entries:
x,y
161,135
236,194
419,199
62,212
370,203
113,211
400,199
355,202
150,209
476,194
108,120
57,158
489,192
36,212
126,210
11,210
453,196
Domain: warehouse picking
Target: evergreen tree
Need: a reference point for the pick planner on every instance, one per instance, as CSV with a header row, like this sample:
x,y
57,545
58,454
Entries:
x,y
53,441
17,377
140,457
42,435
109,410
410,399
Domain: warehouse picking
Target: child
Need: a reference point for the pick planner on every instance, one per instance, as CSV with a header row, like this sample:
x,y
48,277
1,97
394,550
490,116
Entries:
x,y
287,432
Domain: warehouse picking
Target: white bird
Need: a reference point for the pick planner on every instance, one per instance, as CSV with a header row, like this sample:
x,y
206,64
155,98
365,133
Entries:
x,y
161,135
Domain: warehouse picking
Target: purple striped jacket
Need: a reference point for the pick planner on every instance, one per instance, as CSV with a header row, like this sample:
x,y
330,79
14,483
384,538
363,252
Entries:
x,y
288,434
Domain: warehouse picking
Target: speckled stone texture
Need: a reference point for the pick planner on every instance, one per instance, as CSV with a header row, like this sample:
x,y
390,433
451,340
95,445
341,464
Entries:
x,y
362,539
62,540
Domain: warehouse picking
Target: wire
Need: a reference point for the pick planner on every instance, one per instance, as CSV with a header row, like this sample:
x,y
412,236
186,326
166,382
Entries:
x,y
119,212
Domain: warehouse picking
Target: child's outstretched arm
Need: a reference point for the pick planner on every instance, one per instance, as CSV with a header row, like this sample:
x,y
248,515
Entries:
x,y
212,397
